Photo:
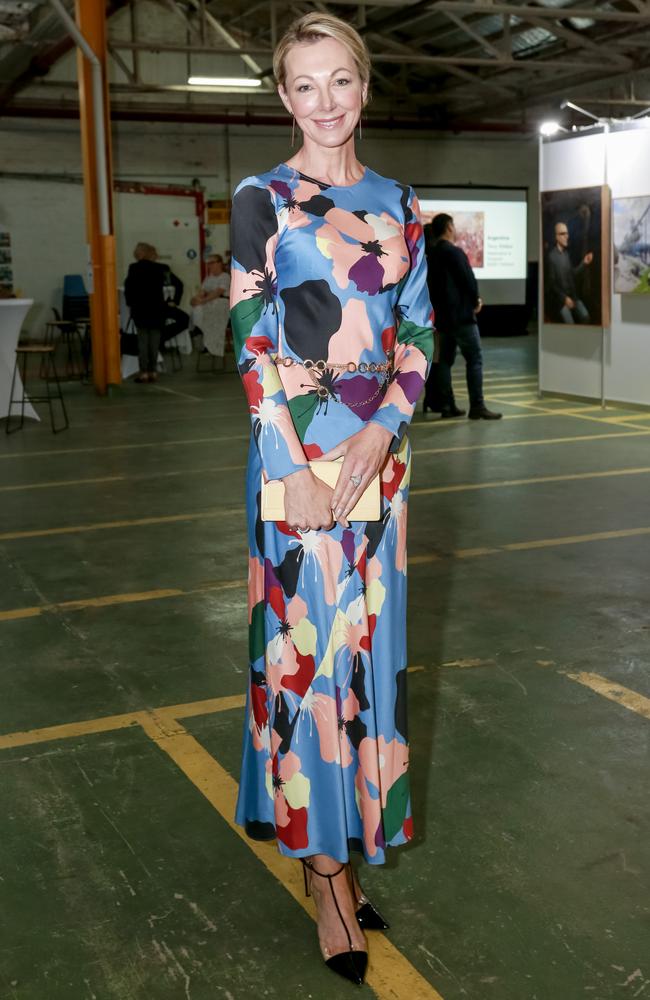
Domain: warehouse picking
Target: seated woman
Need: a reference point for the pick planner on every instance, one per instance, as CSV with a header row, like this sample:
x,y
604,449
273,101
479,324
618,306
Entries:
x,y
210,308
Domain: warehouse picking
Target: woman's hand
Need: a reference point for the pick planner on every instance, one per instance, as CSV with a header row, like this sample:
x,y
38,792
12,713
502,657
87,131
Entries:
x,y
307,501
363,455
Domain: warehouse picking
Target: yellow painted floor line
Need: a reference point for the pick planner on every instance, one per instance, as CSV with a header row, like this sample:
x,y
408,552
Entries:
x,y
176,392
62,482
629,416
534,480
113,525
238,510
167,473
131,446
69,730
390,975
631,700
112,600
489,446
109,723
210,470
513,398
605,417
539,543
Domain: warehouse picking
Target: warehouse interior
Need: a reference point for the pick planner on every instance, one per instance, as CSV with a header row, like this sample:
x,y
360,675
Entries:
x,y
123,643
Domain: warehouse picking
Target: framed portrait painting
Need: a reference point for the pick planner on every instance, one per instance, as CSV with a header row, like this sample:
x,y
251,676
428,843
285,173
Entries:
x,y
575,228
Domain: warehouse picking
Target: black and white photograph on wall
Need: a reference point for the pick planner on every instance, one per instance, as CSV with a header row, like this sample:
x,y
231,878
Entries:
x,y
631,223
575,243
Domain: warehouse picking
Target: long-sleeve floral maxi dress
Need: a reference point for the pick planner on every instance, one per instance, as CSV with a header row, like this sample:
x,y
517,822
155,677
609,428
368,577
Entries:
x,y
338,275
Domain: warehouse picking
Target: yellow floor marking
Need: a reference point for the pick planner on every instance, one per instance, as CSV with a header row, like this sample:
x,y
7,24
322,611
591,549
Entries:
x,y
599,536
69,730
390,975
605,416
175,392
569,477
108,723
425,558
418,425
526,395
615,692
530,443
125,447
540,543
168,473
191,709
111,600
238,510
628,416
112,525
62,483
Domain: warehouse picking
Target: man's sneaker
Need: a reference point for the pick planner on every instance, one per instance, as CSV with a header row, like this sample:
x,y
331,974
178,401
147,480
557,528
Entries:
x,y
451,411
482,413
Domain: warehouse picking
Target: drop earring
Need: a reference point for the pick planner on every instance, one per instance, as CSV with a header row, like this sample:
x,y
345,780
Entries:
x,y
360,136
293,131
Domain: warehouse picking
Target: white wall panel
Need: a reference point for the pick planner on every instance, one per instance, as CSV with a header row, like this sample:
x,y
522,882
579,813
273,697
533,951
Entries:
x,y
570,357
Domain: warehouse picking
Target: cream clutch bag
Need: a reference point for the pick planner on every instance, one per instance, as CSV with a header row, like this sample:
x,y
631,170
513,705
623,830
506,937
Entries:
x,y
368,507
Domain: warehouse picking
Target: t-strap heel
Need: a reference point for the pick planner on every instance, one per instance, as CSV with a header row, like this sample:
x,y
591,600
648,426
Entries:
x,y
350,964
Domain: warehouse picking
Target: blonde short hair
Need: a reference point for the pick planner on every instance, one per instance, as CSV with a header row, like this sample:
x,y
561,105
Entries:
x,y
144,251
311,28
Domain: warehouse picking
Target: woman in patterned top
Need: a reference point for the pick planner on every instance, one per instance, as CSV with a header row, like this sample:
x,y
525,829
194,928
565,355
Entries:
x,y
333,335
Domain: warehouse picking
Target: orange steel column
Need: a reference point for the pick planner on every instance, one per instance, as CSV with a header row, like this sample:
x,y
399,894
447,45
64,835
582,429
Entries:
x,y
91,20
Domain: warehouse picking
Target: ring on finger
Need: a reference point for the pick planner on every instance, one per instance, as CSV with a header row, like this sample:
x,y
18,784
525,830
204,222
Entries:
x,y
356,481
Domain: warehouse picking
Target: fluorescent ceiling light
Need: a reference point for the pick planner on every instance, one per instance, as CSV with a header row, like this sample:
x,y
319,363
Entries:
x,y
223,81
549,128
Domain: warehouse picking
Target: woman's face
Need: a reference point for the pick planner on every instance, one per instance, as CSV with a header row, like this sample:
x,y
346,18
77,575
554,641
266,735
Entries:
x,y
215,267
323,91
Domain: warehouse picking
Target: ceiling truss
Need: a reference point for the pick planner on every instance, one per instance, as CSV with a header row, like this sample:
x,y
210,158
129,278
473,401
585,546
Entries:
x,y
436,63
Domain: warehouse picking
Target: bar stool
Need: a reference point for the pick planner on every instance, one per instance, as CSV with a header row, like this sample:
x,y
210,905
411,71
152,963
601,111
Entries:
x,y
47,364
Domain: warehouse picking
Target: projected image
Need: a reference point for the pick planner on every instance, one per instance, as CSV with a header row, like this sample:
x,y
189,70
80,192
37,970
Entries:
x,y
575,239
470,233
631,218
491,232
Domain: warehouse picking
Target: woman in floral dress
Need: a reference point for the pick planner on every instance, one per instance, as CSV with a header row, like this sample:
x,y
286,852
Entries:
x,y
333,334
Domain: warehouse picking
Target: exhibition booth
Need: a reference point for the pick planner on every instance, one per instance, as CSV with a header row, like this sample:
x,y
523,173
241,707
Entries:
x,y
594,300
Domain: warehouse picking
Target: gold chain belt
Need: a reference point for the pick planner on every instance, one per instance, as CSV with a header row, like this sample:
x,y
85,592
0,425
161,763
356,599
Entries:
x,y
318,368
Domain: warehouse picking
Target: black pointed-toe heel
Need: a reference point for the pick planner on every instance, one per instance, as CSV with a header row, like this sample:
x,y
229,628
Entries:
x,y
369,918
350,964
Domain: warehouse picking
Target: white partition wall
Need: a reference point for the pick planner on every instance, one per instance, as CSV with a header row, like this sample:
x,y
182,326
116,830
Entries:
x,y
572,359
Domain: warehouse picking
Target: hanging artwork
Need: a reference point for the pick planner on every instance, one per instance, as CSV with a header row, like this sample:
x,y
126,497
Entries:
x,y
575,227
6,270
631,221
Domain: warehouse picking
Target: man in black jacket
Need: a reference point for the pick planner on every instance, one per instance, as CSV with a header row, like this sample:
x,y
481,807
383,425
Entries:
x,y
454,295
144,290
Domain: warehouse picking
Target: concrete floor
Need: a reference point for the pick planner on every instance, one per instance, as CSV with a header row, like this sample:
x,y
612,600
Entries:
x,y
122,625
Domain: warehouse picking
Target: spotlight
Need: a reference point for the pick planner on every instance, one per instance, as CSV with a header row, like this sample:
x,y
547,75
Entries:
x,y
550,128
